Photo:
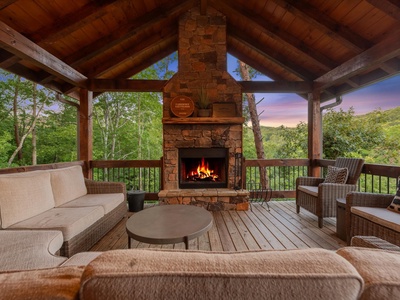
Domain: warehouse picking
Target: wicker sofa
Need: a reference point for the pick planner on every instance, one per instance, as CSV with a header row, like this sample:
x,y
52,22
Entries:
x,y
61,199
349,273
367,215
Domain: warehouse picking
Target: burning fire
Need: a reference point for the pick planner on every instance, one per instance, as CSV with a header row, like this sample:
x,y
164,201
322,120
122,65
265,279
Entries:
x,y
203,172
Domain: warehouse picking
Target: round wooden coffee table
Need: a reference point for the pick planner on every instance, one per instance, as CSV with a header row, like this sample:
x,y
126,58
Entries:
x,y
168,224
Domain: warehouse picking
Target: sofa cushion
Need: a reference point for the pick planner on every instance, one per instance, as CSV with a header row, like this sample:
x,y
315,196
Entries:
x,y
171,274
378,268
23,197
70,221
107,201
395,205
67,184
57,283
379,216
336,175
311,190
30,249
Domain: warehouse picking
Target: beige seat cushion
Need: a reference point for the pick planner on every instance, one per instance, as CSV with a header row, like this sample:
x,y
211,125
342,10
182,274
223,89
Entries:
x,y
311,190
151,274
30,249
70,221
67,184
378,268
23,197
81,258
378,215
107,201
60,283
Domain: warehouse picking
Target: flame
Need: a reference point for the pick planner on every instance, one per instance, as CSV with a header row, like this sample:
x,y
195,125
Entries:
x,y
203,170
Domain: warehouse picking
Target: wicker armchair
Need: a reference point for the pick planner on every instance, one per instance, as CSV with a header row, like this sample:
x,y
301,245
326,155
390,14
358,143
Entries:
x,y
357,225
320,198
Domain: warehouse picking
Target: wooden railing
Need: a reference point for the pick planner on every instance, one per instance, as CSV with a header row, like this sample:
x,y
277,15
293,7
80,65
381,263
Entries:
x,y
282,173
143,175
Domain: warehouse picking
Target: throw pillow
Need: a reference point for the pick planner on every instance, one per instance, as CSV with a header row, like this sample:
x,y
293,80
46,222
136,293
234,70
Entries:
x,y
336,175
395,205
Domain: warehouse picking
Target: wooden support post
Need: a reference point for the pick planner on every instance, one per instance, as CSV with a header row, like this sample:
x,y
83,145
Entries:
x,y
85,149
314,132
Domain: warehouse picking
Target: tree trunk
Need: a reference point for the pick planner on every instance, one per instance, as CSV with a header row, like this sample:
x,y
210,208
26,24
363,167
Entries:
x,y
34,107
16,122
255,122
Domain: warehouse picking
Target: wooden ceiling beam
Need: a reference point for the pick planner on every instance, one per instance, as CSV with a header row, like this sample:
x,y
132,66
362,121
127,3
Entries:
x,y
275,57
126,85
389,7
369,59
271,30
127,31
135,50
15,43
6,3
72,21
310,14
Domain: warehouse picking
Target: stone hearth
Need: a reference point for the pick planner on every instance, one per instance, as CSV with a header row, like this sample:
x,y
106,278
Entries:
x,y
202,66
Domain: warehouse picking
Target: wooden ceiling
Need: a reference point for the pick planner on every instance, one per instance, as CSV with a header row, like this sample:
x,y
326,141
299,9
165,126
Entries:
x,y
335,46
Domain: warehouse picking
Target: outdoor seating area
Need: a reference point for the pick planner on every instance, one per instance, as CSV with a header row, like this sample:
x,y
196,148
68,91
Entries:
x,y
305,269
213,222
60,199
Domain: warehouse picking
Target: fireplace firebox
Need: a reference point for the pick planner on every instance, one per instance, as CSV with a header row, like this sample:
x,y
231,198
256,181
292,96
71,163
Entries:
x,y
203,168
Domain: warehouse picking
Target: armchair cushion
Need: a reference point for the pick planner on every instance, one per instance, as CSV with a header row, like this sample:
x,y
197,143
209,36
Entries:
x,y
336,175
379,216
311,190
395,205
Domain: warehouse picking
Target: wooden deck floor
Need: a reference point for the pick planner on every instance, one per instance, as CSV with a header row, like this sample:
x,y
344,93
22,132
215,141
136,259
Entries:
x,y
279,228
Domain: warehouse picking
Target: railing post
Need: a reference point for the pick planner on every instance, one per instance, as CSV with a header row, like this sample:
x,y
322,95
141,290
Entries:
x,y
85,147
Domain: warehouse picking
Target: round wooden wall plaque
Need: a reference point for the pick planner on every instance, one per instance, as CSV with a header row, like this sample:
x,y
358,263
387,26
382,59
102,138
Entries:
x,y
182,106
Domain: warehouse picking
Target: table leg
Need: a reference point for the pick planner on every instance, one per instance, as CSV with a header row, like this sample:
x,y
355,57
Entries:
x,y
129,242
186,240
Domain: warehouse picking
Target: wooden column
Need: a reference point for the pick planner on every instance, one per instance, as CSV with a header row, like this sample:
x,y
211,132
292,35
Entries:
x,y
85,148
314,132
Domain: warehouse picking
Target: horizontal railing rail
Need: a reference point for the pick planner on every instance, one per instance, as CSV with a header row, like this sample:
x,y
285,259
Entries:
x,y
142,175
282,173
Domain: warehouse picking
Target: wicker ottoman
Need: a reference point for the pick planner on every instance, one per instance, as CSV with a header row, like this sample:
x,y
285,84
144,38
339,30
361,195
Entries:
x,y
373,242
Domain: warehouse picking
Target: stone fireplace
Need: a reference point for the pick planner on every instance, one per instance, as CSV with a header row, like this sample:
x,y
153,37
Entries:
x,y
212,141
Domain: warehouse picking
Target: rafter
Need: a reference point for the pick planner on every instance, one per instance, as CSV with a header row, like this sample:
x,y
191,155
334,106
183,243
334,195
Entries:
x,y
268,28
17,44
72,22
273,56
389,7
310,14
369,59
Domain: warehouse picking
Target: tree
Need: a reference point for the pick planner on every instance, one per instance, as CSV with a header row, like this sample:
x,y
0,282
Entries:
x,y
255,122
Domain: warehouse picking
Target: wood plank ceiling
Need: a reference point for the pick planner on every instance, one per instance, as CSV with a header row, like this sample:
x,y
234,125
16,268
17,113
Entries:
x,y
336,46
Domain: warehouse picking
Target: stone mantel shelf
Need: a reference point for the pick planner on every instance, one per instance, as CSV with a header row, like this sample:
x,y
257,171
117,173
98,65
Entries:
x,y
204,120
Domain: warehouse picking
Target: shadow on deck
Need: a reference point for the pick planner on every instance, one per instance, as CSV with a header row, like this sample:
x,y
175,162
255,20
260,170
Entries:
x,y
279,228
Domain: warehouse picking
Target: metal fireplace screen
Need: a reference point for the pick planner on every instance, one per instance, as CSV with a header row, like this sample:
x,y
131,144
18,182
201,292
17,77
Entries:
x,y
203,168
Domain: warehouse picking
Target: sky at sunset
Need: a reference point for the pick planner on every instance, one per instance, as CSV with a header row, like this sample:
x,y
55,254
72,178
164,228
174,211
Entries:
x,y
290,109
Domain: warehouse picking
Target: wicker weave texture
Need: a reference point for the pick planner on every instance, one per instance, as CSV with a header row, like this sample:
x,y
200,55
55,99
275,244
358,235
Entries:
x,y
373,242
90,236
324,205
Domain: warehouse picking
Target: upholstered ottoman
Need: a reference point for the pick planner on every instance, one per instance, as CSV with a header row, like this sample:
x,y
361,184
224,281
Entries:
x,y
380,270
171,274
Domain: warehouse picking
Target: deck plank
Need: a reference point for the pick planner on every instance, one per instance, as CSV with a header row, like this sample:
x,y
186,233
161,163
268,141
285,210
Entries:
x,y
279,228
